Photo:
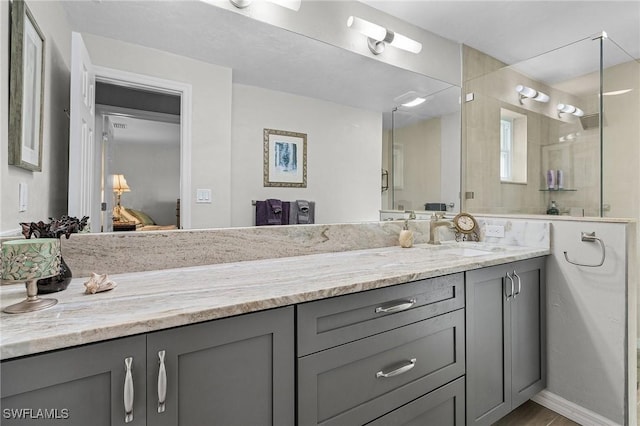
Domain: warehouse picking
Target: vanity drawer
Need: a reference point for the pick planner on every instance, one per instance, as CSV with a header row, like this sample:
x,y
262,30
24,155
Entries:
x,y
346,385
442,407
331,322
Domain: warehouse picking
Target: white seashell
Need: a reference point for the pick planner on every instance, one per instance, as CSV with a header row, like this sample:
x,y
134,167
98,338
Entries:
x,y
98,283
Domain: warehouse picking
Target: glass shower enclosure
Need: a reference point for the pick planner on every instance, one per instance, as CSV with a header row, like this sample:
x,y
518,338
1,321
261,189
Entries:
x,y
560,127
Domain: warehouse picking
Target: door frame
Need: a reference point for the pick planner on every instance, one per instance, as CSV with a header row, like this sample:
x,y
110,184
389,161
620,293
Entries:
x,y
155,84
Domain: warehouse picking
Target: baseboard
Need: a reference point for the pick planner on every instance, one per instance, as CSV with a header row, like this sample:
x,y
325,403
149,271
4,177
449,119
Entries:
x,y
571,410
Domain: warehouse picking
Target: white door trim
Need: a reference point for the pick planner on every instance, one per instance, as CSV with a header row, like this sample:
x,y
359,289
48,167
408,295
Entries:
x,y
140,81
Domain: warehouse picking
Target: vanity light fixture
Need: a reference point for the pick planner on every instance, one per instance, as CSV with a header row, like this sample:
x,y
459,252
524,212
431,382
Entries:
x,y
378,37
240,4
569,109
289,4
529,93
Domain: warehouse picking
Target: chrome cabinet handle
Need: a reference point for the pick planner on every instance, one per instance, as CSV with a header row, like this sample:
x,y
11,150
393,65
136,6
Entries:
x,y
509,295
396,308
397,371
162,383
519,284
128,390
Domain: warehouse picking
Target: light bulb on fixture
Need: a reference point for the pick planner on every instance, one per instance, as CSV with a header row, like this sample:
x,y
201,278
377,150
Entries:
x,y
415,102
528,92
378,36
569,109
289,4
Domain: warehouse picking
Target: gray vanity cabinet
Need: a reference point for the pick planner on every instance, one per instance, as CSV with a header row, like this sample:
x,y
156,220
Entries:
x,y
366,355
101,384
506,336
232,371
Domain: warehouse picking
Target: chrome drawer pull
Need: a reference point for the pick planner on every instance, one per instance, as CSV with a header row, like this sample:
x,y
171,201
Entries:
x,y
128,391
162,383
519,284
512,287
397,371
396,308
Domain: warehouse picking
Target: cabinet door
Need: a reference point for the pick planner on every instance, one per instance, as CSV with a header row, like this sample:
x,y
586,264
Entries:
x,y
78,386
528,342
488,345
505,338
232,371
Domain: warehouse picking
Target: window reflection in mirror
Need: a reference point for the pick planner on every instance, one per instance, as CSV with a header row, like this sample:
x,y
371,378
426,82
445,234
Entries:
x,y
513,147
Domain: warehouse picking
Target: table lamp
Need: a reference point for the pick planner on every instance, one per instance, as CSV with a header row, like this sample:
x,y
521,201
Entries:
x,y
28,261
119,186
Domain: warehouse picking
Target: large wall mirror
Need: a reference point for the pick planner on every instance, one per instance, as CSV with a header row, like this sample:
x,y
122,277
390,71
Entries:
x,y
244,76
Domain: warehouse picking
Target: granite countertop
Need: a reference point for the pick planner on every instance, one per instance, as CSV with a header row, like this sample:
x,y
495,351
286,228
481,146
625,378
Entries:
x,y
156,300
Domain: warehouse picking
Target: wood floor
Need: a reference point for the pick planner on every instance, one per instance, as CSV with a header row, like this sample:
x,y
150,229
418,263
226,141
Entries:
x,y
532,414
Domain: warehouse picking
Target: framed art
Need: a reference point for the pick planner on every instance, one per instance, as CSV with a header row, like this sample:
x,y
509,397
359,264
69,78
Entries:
x,y
26,89
285,158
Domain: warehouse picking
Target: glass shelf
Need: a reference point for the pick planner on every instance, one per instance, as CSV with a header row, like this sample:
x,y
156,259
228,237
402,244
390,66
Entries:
x,y
559,190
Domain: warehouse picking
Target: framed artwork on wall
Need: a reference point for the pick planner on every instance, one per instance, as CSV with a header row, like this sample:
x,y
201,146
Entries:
x,y
285,158
26,84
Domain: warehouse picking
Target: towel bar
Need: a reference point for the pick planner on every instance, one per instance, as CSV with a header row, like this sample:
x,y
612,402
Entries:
x,y
589,237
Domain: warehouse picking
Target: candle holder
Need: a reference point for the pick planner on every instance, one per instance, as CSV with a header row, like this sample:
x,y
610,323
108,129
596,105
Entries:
x,y
28,261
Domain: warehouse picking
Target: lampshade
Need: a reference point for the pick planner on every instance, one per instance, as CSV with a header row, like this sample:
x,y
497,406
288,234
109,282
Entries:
x,y
120,184
27,261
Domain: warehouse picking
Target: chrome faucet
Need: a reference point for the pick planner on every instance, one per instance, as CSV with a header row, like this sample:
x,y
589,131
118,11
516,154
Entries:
x,y
435,222
412,214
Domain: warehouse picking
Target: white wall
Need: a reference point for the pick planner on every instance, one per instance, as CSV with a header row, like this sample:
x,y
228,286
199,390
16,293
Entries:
x,y
450,160
47,189
591,318
152,171
211,121
344,148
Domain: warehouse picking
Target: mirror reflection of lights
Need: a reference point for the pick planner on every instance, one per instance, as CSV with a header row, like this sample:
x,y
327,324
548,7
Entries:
x,y
569,137
617,92
529,93
569,109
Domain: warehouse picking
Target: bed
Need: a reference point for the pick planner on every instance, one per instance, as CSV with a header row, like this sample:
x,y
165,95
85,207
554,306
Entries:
x,y
144,222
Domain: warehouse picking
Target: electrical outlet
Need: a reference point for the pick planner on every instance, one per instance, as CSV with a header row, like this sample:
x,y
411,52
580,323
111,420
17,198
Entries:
x,y
494,231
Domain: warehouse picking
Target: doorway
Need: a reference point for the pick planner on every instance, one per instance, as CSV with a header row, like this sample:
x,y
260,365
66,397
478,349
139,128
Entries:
x,y
140,144
86,179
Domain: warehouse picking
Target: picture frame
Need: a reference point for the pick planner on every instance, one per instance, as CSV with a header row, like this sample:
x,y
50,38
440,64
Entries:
x,y
285,159
26,88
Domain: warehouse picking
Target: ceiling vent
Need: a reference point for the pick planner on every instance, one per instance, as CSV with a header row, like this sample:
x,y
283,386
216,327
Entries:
x,y
119,125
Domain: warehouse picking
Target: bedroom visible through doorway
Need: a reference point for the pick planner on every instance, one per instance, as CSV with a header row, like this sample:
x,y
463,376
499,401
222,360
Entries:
x,y
140,142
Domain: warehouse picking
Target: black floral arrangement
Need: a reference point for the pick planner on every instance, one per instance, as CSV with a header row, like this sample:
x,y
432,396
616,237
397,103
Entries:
x,y
56,228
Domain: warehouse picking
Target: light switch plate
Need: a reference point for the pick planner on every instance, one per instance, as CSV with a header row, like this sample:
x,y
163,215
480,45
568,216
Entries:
x,y
203,196
23,197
